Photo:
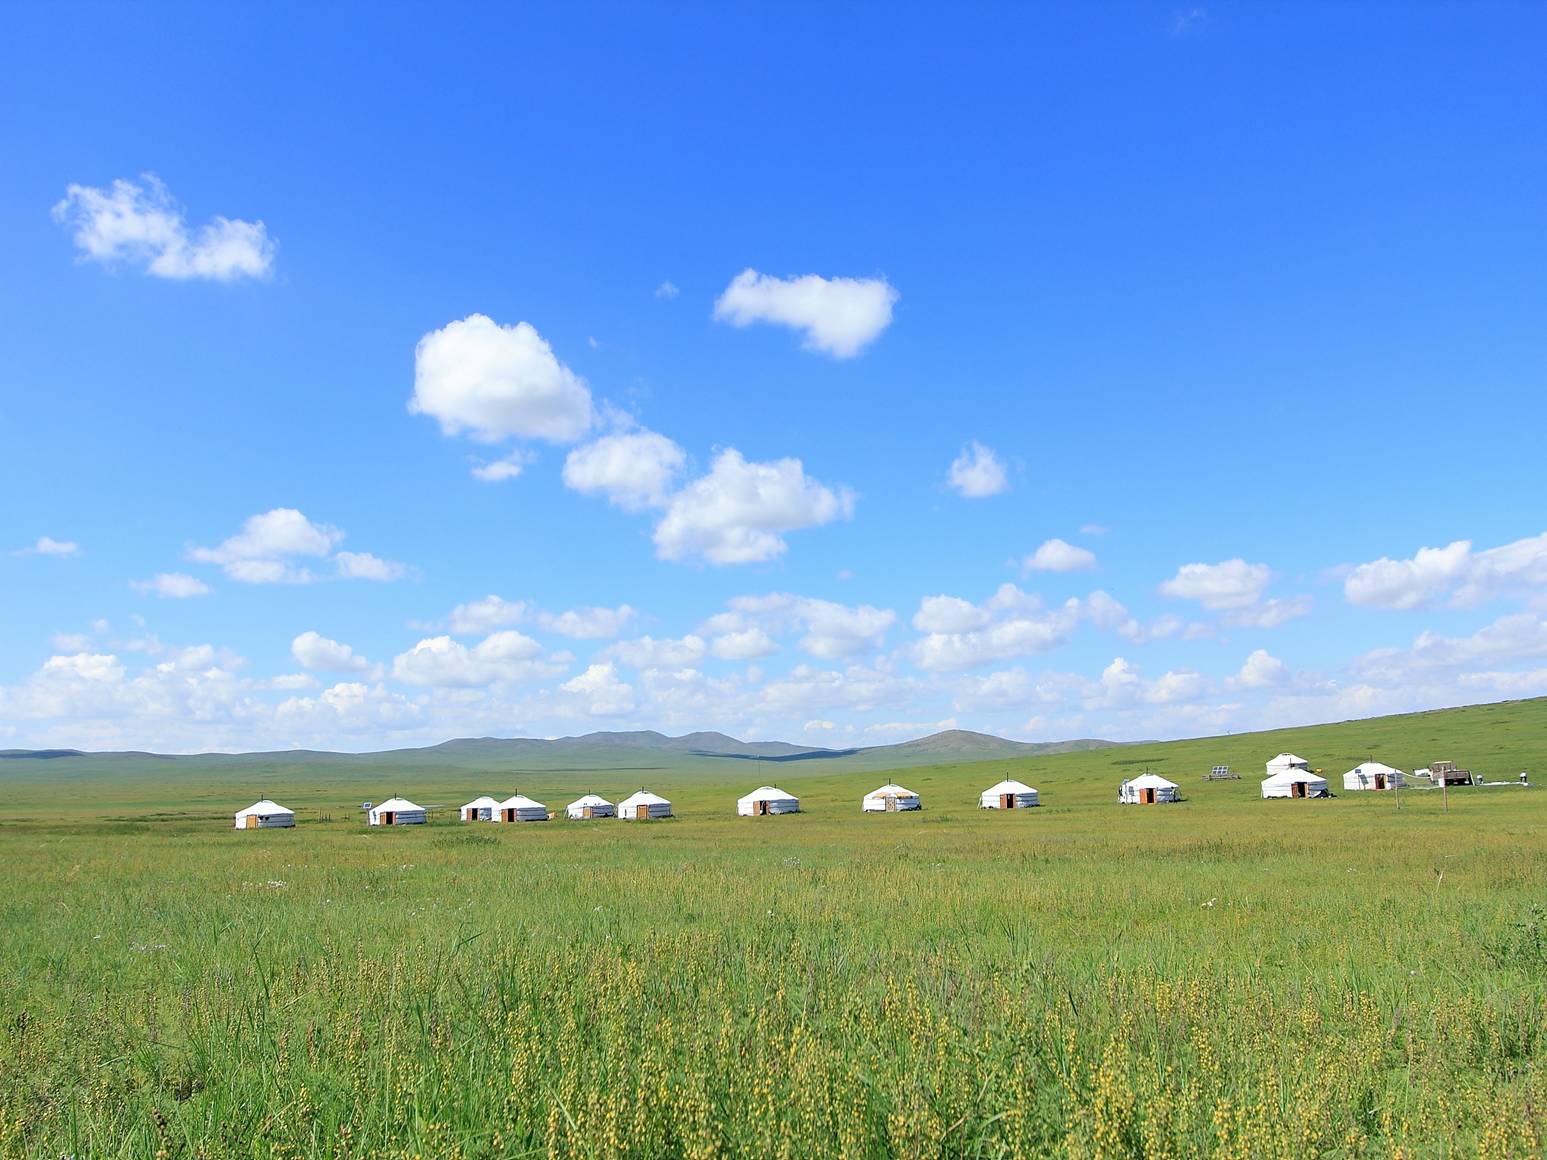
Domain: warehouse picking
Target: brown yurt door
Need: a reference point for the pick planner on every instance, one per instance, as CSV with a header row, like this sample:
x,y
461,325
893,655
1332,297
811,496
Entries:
x,y
1007,801
1380,781
762,809
1149,797
1299,789
891,805
252,821
587,812
386,819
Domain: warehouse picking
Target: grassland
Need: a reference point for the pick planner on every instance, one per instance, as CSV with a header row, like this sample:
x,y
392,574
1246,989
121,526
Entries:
x,y
1227,977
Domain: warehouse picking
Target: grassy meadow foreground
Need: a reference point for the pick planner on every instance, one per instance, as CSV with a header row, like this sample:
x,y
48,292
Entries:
x,y
1223,977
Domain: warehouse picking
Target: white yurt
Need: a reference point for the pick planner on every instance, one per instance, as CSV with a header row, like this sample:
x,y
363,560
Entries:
x,y
591,806
264,815
481,809
1372,775
1295,783
890,799
1285,762
520,808
1148,789
766,800
1008,795
396,812
643,806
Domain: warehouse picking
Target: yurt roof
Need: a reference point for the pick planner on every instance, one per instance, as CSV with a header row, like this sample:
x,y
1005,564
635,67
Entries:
x,y
481,803
397,806
520,802
1152,781
1288,759
265,807
1010,785
644,798
590,799
1373,767
891,789
768,793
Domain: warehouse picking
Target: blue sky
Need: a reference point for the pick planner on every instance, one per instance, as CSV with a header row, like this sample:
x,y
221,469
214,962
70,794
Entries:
x,y
1124,371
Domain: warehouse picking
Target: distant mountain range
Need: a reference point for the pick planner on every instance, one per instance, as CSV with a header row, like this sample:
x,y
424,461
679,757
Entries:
x,y
610,750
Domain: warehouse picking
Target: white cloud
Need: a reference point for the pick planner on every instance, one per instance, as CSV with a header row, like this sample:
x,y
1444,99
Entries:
x,y
1121,686
1262,671
839,316
48,546
292,682
646,652
316,652
1270,613
1092,530
635,471
600,691
1517,637
667,290
71,642
505,468
495,382
737,513
1059,556
447,663
171,586
949,614
1011,623
588,623
364,566
1227,585
977,473
746,645
267,548
481,616
832,630
1517,568
141,225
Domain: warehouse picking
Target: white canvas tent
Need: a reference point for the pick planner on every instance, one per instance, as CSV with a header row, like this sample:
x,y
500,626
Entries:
x,y
890,799
518,808
1372,775
590,806
643,806
1009,794
264,815
1148,789
480,809
766,800
1284,762
396,812
1295,783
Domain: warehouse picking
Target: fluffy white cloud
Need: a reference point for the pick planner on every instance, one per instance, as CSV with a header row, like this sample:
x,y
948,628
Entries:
x,y
1227,585
267,550
447,663
646,652
949,614
48,546
1122,686
1270,613
839,316
588,623
481,616
977,473
635,470
745,645
316,652
141,225
859,688
1012,623
831,630
495,382
600,692
738,512
1510,639
171,586
1059,556
1262,671
499,470
1467,577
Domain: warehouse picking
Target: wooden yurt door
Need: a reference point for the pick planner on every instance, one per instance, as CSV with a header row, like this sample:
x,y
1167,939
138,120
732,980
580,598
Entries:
x,y
762,809
252,821
891,805
587,811
386,819
1007,801
1298,790
1380,781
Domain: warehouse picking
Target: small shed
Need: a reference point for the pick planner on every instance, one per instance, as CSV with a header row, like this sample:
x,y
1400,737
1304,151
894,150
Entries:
x,y
1009,794
643,806
396,812
590,806
890,799
481,809
265,815
1372,775
1295,783
765,801
519,808
1148,789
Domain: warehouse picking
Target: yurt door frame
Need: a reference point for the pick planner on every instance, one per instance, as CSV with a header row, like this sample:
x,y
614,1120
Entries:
x,y
891,803
762,809
587,811
1147,795
1007,801
387,818
1380,781
510,814
252,822
1297,789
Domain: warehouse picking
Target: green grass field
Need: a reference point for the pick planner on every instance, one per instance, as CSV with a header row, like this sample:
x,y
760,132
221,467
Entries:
x,y
1228,977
